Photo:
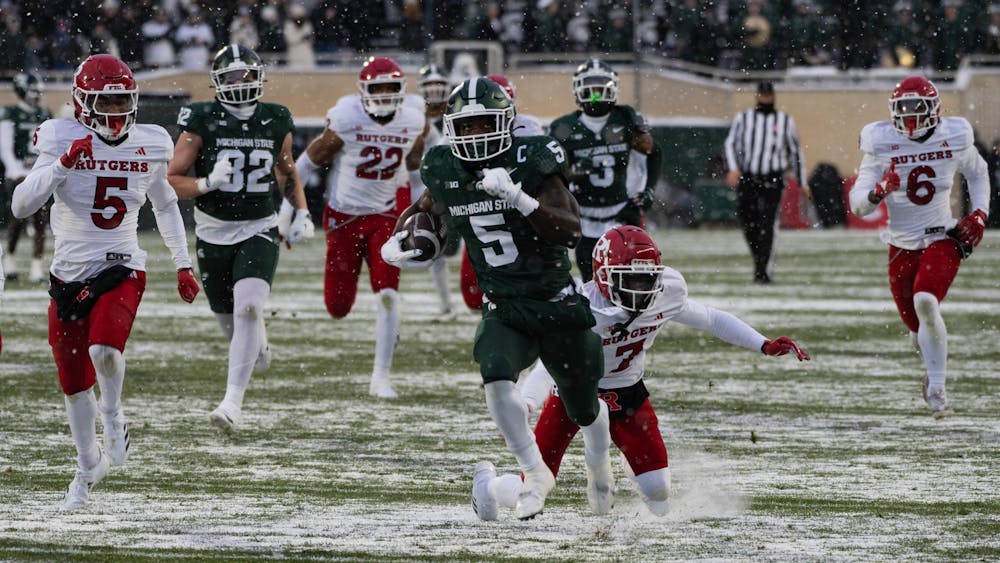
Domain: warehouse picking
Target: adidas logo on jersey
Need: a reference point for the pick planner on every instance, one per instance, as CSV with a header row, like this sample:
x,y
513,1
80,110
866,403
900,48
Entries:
x,y
945,144
142,151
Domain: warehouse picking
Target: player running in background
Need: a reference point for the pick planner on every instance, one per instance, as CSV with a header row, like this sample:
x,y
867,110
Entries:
x,y
607,143
100,168
239,148
370,139
507,198
633,295
910,163
17,124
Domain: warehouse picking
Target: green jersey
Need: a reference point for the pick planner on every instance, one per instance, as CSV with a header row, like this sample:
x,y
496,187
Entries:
x,y
23,124
253,146
601,158
509,257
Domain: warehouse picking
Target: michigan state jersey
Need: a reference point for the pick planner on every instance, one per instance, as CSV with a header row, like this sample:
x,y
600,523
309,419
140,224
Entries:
x,y
252,146
601,158
509,257
17,125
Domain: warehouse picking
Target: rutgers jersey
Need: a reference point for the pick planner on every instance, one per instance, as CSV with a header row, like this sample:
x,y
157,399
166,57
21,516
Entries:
x,y
96,210
372,164
625,354
920,210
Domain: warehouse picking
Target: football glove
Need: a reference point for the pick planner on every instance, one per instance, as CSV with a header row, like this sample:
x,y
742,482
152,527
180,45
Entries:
x,y
888,184
285,214
80,147
783,345
222,173
497,183
968,233
187,286
301,228
395,255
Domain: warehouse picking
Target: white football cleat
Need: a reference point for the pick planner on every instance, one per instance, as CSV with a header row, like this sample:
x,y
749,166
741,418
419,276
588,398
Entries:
x,y
537,485
381,388
601,487
225,417
79,489
116,437
484,504
10,267
937,399
36,274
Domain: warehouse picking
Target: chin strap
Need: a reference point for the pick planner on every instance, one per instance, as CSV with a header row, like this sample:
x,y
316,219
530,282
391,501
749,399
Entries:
x,y
620,330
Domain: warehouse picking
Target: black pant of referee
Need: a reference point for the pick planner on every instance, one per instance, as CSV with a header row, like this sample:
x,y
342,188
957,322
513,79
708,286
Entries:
x,y
757,209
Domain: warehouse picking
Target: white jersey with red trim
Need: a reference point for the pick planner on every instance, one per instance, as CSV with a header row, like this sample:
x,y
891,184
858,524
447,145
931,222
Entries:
x,y
920,210
625,355
96,211
372,163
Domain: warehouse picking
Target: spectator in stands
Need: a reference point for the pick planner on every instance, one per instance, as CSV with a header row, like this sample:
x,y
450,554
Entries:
x,y
708,38
411,30
757,31
194,37
992,46
617,33
127,29
243,30
807,40
270,25
299,37
13,46
487,24
551,29
102,41
858,34
158,36
953,37
905,42
66,46
448,17
328,27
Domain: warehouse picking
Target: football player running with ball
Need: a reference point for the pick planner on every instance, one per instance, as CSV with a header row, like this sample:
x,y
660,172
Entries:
x,y
614,161
507,198
633,295
101,168
910,163
239,148
372,139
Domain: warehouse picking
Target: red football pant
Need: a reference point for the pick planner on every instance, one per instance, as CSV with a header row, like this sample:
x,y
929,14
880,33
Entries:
x,y
637,436
355,238
109,323
470,284
912,271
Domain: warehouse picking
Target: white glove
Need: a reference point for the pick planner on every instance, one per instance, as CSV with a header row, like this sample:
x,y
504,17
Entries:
x,y
395,255
497,183
301,228
222,173
285,214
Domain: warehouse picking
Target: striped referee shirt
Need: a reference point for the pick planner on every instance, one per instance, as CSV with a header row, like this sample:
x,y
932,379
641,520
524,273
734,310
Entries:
x,y
765,144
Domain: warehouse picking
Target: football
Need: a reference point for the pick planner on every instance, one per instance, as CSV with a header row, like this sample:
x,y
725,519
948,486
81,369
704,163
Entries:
x,y
427,233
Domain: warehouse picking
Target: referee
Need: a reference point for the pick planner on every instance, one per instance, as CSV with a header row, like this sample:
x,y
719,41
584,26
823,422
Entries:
x,y
761,149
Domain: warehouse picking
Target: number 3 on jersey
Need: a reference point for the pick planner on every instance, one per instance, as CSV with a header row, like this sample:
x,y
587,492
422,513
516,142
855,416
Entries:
x,y
257,179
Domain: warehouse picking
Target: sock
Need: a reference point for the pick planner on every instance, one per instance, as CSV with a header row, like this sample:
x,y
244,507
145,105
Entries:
x,y
81,411
386,330
249,300
933,338
109,364
654,487
439,275
511,417
597,439
506,489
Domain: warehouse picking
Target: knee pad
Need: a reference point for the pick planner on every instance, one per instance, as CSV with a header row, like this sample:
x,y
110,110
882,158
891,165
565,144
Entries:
x,y
106,359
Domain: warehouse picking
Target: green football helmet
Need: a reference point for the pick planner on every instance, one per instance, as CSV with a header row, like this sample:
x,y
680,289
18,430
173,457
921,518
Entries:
x,y
483,104
595,87
29,88
238,75
433,85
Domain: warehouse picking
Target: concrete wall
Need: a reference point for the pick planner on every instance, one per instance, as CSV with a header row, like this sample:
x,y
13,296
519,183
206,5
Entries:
x,y
828,120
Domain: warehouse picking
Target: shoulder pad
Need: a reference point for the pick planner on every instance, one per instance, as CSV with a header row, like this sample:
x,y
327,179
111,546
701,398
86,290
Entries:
x,y
545,155
54,136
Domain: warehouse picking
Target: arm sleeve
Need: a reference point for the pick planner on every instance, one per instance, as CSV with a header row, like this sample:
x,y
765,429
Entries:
x,y
13,168
731,145
976,173
654,165
168,217
723,325
868,174
45,177
795,156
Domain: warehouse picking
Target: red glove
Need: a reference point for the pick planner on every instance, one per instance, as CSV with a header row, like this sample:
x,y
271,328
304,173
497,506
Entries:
x,y
783,345
80,147
187,286
969,231
888,184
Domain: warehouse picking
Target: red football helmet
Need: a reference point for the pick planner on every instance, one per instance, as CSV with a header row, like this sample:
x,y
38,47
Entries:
x,y
105,96
627,268
915,107
377,100
508,86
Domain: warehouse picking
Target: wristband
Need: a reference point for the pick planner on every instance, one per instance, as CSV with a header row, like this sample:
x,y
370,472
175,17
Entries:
x,y
203,186
525,203
874,198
